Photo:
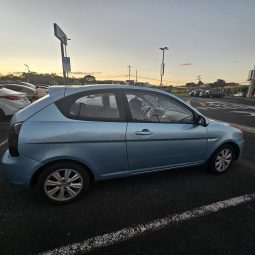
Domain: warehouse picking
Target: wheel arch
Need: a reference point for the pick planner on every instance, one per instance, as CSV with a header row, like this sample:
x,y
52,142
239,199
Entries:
x,y
233,145
39,170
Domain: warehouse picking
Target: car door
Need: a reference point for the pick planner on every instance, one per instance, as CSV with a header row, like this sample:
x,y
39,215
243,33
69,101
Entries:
x,y
161,132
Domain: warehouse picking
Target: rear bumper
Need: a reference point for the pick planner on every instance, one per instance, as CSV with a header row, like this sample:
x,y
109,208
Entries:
x,y
18,170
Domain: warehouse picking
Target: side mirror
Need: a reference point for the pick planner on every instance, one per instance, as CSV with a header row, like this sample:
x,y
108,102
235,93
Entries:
x,y
201,120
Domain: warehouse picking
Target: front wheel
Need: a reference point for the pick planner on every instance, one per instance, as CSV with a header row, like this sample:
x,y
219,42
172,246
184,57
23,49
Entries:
x,y
63,183
222,159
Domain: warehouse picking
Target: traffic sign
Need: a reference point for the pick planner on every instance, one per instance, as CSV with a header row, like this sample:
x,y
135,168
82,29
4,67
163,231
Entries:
x,y
66,64
60,34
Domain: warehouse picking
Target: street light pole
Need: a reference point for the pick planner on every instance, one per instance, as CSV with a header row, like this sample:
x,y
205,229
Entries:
x,y
162,69
28,71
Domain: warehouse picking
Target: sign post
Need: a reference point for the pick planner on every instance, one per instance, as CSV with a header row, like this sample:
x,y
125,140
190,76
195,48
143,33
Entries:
x,y
58,32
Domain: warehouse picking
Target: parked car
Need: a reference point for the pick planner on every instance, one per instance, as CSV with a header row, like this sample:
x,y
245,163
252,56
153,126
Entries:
x,y
204,93
32,93
11,102
77,135
194,93
240,94
30,85
21,88
191,93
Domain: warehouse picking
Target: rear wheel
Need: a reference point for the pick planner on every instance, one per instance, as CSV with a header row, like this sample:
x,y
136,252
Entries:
x,y
63,183
222,159
2,115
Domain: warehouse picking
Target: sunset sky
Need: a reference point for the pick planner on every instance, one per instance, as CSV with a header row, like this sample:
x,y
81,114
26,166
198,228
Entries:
x,y
214,39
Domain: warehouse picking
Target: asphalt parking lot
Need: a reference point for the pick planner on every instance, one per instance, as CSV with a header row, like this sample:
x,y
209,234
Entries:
x,y
30,226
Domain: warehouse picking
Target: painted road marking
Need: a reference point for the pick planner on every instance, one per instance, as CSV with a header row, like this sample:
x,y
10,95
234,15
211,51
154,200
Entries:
x,y
252,114
131,232
202,104
3,143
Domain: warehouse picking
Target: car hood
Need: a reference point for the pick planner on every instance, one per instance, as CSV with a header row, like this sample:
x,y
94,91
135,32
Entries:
x,y
213,122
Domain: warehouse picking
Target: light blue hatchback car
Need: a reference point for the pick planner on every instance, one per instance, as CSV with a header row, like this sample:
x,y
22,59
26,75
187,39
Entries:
x,y
76,135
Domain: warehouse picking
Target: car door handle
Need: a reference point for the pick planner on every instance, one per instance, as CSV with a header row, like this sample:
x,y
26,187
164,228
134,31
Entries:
x,y
144,132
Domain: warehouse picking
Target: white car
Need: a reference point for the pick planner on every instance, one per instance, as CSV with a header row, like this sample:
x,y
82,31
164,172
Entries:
x,y
11,102
240,94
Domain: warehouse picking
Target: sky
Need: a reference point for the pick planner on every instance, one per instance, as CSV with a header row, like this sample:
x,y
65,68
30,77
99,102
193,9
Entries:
x,y
214,39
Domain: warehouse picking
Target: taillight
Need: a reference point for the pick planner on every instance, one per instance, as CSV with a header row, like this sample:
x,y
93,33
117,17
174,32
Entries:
x,y
11,97
13,139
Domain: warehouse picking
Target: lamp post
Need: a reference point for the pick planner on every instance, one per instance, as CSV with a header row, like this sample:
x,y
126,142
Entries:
x,y
162,69
28,71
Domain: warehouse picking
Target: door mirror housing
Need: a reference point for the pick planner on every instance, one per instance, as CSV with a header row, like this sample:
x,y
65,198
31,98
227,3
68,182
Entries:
x,y
203,121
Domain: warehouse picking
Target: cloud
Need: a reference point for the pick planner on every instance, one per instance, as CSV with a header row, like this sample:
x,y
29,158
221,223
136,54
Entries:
x,y
186,64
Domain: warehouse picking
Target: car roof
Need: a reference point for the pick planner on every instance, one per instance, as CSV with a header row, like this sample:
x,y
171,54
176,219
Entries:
x,y
78,88
18,85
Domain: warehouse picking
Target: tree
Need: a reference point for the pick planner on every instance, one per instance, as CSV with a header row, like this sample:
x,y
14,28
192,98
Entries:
x,y
219,83
89,79
200,83
191,85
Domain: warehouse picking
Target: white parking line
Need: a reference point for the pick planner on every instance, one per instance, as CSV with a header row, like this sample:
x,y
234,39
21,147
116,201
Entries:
x,y
3,143
131,232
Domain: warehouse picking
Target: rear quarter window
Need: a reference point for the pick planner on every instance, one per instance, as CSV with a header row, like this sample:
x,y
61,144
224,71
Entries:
x,y
94,106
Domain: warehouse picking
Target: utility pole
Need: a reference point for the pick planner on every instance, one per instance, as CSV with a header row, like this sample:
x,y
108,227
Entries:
x,y
62,57
136,77
199,80
162,69
129,74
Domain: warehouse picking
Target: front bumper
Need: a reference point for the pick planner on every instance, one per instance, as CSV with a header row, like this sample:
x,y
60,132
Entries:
x,y
241,147
19,170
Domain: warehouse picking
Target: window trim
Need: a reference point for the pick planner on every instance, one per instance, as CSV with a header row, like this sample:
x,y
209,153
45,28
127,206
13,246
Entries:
x,y
128,111
65,103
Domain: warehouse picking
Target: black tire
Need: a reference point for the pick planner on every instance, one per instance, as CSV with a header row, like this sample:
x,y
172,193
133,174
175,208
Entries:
x,y
2,115
60,169
215,162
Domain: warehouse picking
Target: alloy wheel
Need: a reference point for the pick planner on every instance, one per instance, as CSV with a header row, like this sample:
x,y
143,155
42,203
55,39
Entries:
x,y
223,159
63,184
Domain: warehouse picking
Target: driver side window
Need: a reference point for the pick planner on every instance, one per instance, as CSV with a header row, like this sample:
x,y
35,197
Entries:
x,y
152,107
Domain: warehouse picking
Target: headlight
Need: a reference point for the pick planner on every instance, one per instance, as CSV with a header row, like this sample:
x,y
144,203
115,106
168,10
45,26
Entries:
x,y
238,135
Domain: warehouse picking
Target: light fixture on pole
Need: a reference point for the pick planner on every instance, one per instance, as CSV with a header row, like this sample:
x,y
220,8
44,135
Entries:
x,y
162,69
27,66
